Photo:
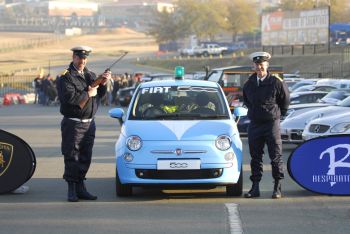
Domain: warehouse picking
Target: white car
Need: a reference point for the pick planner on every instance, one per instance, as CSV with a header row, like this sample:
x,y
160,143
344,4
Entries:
x,y
306,97
332,125
297,109
303,83
292,128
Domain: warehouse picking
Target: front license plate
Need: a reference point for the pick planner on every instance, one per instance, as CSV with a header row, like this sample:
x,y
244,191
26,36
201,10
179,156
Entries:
x,y
179,164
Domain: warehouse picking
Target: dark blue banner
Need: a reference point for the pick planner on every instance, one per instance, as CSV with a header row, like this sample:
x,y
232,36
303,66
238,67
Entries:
x,y
322,165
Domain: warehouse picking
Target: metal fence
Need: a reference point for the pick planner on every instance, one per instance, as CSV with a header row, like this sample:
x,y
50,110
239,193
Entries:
x,y
16,84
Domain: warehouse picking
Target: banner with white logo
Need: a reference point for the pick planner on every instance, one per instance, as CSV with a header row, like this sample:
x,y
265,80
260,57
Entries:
x,y
322,165
17,162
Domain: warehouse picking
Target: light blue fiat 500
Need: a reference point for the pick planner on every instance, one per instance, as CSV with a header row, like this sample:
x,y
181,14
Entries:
x,y
178,133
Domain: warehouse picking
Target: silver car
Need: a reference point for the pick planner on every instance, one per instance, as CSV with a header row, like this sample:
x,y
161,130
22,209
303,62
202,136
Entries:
x,y
292,128
332,125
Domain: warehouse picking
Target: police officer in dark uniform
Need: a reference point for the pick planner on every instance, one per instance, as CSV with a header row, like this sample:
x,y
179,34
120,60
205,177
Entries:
x,y
79,103
267,98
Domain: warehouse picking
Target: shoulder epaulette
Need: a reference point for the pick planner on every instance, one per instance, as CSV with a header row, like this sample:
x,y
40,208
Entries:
x,y
279,78
64,72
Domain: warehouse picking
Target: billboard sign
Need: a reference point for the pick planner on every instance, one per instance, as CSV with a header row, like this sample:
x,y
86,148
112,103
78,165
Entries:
x,y
295,27
322,165
69,8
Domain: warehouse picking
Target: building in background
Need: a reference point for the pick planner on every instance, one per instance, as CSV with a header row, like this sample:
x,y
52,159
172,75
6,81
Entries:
x,y
89,16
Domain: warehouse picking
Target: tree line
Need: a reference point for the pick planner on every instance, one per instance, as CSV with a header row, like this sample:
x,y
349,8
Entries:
x,y
208,18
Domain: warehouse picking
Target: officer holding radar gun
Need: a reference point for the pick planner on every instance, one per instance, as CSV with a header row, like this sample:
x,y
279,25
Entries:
x,y
267,98
79,92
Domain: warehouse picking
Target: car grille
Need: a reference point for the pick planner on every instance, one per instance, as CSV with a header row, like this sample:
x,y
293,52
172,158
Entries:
x,y
318,128
284,137
178,174
296,134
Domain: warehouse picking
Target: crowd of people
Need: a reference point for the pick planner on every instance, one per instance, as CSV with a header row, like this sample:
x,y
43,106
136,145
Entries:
x,y
46,91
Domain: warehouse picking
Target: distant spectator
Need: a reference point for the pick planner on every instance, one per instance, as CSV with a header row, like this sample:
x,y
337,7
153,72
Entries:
x,y
116,86
37,83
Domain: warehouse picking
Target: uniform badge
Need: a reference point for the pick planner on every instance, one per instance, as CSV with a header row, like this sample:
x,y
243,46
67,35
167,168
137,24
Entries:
x,y
6,153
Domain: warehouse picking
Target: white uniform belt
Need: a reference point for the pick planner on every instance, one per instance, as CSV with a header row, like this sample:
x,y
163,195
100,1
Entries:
x,y
82,120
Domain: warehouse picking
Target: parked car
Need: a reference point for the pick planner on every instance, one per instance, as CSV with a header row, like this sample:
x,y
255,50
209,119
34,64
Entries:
x,y
306,97
335,96
178,133
233,47
327,126
303,83
296,109
338,83
156,76
290,80
204,50
124,95
292,128
326,88
331,99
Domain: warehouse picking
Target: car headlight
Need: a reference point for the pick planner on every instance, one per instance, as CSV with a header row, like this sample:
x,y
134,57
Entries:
x,y
340,128
223,142
134,143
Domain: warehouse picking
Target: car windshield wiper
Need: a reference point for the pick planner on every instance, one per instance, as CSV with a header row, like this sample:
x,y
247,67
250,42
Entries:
x,y
213,116
176,116
191,116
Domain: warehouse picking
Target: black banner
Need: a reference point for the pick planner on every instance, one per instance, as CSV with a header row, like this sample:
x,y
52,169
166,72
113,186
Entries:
x,y
17,162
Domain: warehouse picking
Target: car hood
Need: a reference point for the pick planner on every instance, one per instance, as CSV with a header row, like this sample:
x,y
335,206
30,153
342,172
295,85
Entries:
x,y
179,130
332,120
299,121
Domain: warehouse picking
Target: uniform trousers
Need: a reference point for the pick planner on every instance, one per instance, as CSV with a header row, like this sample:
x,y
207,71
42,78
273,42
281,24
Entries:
x,y
260,134
77,143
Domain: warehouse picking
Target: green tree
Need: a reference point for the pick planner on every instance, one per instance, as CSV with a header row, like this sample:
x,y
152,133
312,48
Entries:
x,y
241,17
165,27
203,18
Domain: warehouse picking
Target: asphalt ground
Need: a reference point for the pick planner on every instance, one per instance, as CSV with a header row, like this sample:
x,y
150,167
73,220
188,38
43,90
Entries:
x,y
44,209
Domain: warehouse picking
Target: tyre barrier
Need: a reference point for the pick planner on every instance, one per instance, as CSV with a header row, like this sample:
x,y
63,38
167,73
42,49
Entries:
x,y
17,162
11,98
16,98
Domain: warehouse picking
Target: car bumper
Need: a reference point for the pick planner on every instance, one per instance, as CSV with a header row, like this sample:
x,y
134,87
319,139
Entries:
x,y
292,136
143,176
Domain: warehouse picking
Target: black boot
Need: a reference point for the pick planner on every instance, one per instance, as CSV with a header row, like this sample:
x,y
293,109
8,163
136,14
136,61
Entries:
x,y
83,193
72,192
254,191
277,191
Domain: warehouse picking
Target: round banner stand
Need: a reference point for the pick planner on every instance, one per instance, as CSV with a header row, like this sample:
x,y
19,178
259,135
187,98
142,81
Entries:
x,y
322,165
17,162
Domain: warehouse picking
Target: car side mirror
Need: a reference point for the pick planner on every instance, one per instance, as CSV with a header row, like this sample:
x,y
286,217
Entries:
x,y
239,112
221,83
117,113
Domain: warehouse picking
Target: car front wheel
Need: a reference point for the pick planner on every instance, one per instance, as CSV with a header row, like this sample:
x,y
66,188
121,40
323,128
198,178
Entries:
x,y
236,189
122,190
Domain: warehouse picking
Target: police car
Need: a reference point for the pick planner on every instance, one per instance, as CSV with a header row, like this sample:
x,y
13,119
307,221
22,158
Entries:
x,y
178,132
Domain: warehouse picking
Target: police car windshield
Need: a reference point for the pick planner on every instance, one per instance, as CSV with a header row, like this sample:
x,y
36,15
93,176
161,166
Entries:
x,y
179,103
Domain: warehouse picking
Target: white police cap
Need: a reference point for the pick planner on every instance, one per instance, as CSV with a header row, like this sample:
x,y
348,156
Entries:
x,y
81,51
259,57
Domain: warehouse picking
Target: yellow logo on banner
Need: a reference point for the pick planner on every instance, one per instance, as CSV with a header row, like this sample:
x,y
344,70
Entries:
x,y
6,152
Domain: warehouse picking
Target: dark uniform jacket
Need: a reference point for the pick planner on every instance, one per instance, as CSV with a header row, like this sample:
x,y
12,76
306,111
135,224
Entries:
x,y
267,102
72,89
